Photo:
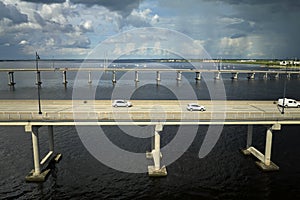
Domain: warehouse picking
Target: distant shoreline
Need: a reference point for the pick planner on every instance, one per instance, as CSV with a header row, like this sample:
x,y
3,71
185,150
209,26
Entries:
x,y
262,62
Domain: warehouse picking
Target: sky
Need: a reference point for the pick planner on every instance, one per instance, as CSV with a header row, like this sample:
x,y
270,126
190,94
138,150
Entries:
x,y
71,29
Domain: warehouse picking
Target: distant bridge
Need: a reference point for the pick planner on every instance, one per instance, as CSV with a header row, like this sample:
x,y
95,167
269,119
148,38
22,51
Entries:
x,y
198,73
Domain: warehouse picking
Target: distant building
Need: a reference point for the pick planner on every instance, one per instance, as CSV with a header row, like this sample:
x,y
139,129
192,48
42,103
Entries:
x,y
283,63
247,60
296,62
289,62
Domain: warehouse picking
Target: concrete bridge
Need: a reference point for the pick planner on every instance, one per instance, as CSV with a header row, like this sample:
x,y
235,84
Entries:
x,y
158,113
135,71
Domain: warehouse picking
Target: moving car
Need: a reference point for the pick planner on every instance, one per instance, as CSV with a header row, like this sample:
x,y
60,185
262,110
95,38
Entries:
x,y
288,103
121,103
195,107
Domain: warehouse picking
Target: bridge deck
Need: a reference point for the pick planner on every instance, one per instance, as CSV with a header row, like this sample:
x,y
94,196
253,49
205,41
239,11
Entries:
x,y
143,110
212,70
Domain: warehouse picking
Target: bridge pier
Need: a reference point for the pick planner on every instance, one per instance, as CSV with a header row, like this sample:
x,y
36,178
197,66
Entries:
x,y
37,174
251,76
11,79
198,76
156,169
277,76
136,79
265,76
90,78
38,78
65,78
288,76
157,76
234,75
179,75
114,80
264,162
217,75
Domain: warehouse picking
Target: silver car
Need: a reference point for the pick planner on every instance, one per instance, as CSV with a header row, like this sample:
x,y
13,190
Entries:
x,y
195,107
121,103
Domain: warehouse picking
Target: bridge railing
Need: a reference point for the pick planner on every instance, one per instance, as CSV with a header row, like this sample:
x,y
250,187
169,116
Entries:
x,y
147,116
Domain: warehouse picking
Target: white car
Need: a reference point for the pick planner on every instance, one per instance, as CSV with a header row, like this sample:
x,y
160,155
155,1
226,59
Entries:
x,y
288,103
121,103
194,106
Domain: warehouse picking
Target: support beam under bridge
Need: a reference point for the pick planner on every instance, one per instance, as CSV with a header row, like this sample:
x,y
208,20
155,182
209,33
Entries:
x,y
264,162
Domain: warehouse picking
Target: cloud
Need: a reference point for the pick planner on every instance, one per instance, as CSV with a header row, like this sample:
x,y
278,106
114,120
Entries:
x,y
260,2
49,29
50,26
123,7
87,26
245,26
235,47
45,1
23,42
238,35
142,18
10,12
224,27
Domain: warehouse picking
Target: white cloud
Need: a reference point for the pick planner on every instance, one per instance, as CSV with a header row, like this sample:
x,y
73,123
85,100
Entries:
x,y
87,26
23,42
243,47
141,18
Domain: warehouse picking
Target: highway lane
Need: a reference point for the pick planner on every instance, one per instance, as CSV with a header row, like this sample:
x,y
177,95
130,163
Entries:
x,y
60,110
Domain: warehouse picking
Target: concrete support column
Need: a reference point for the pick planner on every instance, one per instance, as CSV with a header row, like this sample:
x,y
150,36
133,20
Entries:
x,y
288,76
266,76
136,79
114,77
251,76
217,75
264,162
65,77
234,76
38,78
249,136
179,75
156,152
36,152
90,78
11,79
277,76
51,138
156,155
157,76
268,148
37,174
198,76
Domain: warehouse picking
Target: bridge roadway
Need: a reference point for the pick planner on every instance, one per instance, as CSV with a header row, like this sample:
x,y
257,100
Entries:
x,y
240,112
213,70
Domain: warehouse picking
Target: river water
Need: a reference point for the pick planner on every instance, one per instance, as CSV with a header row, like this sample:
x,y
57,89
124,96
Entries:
x,y
223,174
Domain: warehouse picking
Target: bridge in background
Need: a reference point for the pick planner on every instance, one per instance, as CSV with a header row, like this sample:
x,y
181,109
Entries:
x,y
157,113
135,71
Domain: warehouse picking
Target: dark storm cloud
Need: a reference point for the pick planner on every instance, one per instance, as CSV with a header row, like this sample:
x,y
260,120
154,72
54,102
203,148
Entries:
x,y
10,12
124,7
45,1
261,2
39,19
